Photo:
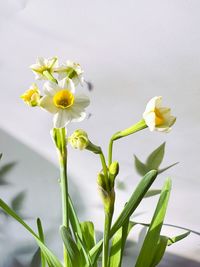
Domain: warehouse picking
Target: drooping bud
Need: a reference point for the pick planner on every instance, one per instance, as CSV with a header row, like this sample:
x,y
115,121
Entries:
x,y
32,96
79,139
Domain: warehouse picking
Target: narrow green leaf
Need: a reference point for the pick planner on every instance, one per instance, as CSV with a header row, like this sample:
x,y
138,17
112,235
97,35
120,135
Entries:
x,y
159,251
130,207
76,228
1,156
52,260
152,193
118,244
156,157
168,167
175,239
140,167
134,200
17,201
88,234
41,235
71,247
86,255
148,249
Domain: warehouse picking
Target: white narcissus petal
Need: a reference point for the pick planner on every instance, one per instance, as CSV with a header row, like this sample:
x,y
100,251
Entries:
x,y
46,102
50,88
150,120
154,102
61,118
81,117
41,61
81,100
68,84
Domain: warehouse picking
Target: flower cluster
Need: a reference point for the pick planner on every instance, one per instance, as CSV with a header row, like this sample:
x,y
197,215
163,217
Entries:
x,y
60,97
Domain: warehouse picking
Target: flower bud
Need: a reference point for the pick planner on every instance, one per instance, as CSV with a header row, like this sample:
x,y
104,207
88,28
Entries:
x,y
113,172
101,181
114,168
79,139
32,96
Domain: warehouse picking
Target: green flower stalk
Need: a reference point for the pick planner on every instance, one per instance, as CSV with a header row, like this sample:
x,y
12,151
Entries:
x,y
131,130
59,138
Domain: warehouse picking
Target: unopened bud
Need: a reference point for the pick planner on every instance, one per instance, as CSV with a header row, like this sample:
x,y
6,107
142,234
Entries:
x,y
79,139
114,168
32,96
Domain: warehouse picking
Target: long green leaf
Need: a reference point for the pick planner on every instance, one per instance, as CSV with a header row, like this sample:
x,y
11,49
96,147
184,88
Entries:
x,y
118,244
52,260
134,200
172,240
130,207
76,227
156,157
71,247
41,235
148,249
159,251
88,234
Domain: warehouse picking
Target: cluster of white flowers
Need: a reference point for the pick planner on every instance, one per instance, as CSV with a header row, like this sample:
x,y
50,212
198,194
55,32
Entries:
x,y
61,100
59,96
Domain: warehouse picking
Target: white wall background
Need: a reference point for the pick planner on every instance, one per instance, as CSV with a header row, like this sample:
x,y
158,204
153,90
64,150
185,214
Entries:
x,y
131,51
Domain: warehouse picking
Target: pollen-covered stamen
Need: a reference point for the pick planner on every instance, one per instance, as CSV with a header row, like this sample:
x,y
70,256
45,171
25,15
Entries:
x,y
63,99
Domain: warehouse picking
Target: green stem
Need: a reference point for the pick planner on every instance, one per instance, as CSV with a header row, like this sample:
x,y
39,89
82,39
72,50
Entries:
x,y
133,129
107,227
60,140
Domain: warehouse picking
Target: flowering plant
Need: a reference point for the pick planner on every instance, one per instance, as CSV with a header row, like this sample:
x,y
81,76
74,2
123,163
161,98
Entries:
x,y
80,248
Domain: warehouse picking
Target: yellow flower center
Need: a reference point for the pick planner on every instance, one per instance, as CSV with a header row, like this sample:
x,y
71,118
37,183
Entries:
x,y
63,99
159,117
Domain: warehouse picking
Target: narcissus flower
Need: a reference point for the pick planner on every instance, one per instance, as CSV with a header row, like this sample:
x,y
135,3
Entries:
x,y
157,117
42,65
61,100
79,139
71,70
32,96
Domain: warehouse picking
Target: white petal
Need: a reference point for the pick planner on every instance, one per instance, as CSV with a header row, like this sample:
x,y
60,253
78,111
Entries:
x,y
154,102
81,101
150,119
41,61
67,83
50,88
46,102
81,117
61,119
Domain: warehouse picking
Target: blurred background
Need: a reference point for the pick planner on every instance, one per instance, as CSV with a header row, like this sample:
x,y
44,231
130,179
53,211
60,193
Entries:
x,y
130,51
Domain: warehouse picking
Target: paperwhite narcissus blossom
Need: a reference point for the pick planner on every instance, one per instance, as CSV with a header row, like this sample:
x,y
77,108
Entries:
x,y
71,70
61,100
43,64
32,96
157,117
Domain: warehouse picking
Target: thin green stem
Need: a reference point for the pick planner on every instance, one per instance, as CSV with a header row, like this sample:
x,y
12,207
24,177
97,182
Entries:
x,y
110,150
60,139
107,227
131,130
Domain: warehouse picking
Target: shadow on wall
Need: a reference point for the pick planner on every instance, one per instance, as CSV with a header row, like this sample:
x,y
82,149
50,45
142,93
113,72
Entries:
x,y
34,180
